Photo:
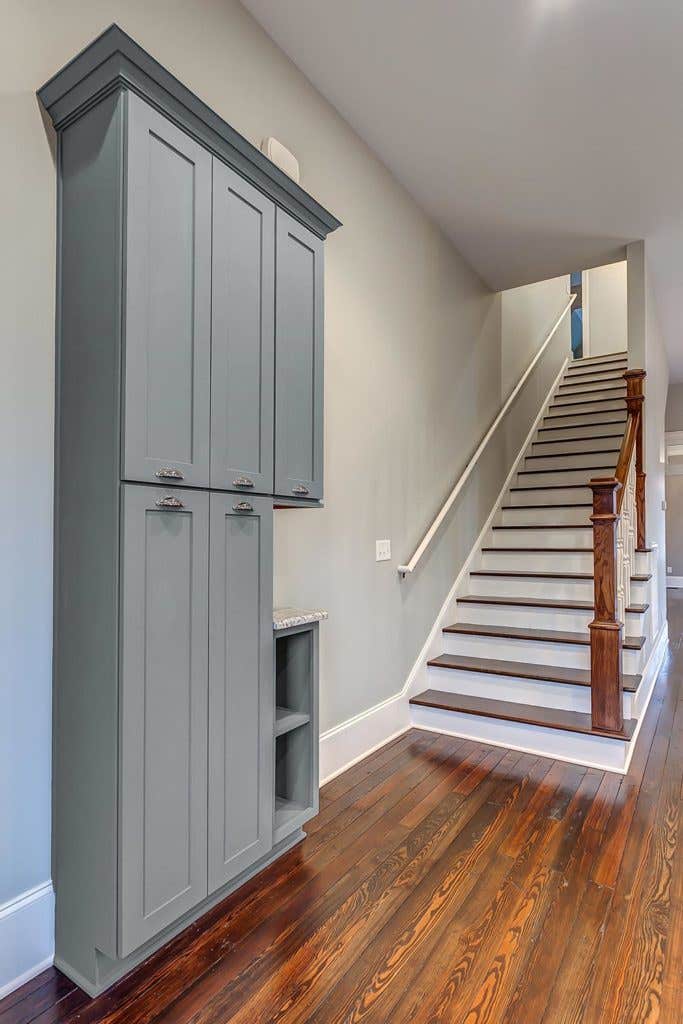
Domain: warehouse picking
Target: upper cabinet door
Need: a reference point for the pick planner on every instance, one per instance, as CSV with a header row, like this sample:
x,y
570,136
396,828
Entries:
x,y
167,300
298,361
243,281
241,686
163,714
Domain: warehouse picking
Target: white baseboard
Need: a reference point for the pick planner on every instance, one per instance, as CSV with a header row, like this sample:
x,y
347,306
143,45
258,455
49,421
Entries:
x,y
27,937
345,744
674,581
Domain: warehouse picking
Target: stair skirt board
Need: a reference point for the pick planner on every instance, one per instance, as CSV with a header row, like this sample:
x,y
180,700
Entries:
x,y
591,750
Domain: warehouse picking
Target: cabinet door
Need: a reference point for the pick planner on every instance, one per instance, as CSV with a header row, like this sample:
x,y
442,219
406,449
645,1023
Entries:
x,y
242,334
168,301
164,694
241,690
298,361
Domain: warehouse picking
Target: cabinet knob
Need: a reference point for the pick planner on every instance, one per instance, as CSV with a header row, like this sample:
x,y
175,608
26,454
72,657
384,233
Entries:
x,y
243,506
242,481
299,489
168,501
168,473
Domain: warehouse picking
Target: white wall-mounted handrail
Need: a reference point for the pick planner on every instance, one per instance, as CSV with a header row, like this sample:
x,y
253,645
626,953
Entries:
x,y
445,508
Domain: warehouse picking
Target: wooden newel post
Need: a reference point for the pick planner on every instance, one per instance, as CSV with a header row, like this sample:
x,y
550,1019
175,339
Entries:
x,y
635,399
605,629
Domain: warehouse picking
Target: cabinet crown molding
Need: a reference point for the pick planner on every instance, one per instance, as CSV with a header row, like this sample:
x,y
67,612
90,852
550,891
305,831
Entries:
x,y
114,61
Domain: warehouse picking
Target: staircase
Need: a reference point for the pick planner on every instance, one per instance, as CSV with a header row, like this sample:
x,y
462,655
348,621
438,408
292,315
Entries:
x,y
515,666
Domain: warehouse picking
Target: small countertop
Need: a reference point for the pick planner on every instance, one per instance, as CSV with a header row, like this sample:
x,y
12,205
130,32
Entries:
x,y
286,618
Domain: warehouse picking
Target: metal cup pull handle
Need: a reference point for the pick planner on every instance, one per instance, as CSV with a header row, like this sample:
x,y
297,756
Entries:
x,y
168,473
169,502
243,506
300,489
242,481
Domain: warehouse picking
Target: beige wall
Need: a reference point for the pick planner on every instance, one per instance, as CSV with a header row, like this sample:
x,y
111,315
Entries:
x,y
607,309
528,314
674,488
646,351
674,407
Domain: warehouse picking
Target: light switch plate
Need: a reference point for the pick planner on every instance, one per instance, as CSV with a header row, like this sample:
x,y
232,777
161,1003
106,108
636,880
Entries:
x,y
382,550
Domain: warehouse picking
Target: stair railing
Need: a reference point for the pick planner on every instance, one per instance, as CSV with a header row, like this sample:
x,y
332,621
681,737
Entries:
x,y
618,531
403,570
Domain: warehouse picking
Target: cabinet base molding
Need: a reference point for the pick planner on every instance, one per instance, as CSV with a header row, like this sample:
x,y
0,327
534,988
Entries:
x,y
106,971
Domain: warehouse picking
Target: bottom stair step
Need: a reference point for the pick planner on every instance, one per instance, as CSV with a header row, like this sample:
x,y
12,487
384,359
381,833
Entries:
x,y
549,718
522,670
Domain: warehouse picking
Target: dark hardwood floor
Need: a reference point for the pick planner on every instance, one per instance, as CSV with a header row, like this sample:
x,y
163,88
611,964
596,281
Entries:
x,y
443,880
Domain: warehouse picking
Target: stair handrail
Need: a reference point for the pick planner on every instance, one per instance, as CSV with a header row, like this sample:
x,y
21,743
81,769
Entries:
x,y
403,570
618,531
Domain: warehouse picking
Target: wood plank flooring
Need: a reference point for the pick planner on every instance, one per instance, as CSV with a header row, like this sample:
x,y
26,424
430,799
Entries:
x,y
443,881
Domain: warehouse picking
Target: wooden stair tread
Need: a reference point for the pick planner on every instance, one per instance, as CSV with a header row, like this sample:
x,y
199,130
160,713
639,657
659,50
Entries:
x,y
572,455
583,401
524,670
541,602
524,574
569,469
546,526
551,718
573,504
549,487
553,636
604,423
554,551
594,437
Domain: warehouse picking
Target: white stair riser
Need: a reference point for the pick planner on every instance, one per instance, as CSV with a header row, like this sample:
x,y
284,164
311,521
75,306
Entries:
x,y
580,419
568,476
525,586
642,562
597,392
534,652
605,753
610,376
605,425
538,495
606,358
537,692
530,586
574,445
566,460
538,561
538,618
574,537
571,406
544,516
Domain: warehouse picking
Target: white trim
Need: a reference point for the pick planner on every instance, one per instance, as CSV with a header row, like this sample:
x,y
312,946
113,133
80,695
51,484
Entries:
x,y
464,477
349,742
26,936
649,678
674,581
585,314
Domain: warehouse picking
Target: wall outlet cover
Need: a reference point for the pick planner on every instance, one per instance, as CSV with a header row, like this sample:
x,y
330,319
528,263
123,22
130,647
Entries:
x,y
382,550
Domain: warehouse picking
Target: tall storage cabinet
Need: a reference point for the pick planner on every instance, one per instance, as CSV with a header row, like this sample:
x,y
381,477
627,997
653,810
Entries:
x,y
189,269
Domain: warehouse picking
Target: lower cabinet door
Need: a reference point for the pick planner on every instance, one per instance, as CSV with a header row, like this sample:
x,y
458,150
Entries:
x,y
164,695
241,687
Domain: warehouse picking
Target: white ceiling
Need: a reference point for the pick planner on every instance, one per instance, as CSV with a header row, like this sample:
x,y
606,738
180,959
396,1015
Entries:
x,y
542,134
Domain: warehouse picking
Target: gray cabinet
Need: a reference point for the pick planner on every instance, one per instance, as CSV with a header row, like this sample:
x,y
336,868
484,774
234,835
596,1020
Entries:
x,y
240,685
164,692
242,334
298,361
164,769
167,329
